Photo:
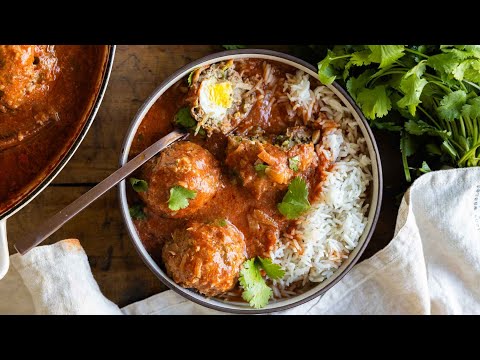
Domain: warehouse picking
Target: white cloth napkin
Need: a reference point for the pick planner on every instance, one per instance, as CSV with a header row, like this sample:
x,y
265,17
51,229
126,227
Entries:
x,y
432,266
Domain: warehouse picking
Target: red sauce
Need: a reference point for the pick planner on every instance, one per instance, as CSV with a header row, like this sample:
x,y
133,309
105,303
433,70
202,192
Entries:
x,y
233,201
71,95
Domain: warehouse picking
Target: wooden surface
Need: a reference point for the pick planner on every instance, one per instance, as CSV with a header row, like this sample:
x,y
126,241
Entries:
x,y
120,272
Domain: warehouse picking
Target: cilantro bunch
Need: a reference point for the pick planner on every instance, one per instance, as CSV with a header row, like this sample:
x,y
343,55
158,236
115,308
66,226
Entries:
x,y
434,89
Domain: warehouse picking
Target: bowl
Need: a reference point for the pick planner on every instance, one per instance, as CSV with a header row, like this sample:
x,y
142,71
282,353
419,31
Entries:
x,y
375,187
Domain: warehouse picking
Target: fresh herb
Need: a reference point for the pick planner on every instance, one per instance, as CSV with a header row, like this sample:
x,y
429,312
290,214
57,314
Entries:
x,y
184,119
260,168
179,197
434,89
294,162
138,185
273,271
295,202
425,168
234,47
190,76
222,222
255,289
136,212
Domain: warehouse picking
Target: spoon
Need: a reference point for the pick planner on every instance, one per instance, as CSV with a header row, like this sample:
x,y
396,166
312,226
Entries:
x,y
47,228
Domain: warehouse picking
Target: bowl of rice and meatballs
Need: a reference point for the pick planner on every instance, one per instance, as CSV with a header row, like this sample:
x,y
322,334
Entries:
x,y
273,196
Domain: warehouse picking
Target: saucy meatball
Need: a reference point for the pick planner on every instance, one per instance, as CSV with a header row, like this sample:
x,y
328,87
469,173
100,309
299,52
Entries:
x,y
24,69
206,257
183,164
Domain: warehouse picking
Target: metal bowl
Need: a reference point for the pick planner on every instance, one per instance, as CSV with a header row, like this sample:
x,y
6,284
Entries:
x,y
58,164
375,192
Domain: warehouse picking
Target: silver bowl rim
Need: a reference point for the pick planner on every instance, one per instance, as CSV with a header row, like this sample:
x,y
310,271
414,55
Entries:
x,y
218,304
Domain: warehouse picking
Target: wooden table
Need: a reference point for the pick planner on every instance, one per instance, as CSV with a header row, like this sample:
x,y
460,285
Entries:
x,y
120,272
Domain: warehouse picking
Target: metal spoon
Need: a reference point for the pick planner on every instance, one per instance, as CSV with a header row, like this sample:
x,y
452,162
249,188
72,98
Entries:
x,y
59,219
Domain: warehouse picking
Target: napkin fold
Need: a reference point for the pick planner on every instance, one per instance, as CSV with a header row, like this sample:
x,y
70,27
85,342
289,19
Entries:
x,y
431,266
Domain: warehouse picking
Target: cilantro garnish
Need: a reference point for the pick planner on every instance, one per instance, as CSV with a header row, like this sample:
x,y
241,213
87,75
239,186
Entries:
x,y
179,197
138,185
136,212
184,119
295,202
255,289
294,162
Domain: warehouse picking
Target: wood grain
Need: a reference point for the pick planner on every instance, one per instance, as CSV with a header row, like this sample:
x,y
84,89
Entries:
x,y
121,274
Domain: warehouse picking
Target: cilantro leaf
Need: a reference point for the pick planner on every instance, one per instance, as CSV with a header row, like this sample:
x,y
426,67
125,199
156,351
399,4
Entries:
x,y
451,105
326,73
386,125
190,76
138,185
274,271
374,102
295,202
443,63
385,55
420,127
472,108
222,222
136,212
179,197
234,47
260,168
294,162
412,86
425,168
255,290
361,58
354,85
184,118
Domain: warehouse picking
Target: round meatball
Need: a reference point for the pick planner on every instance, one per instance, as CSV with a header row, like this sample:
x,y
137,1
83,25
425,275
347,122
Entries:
x,y
182,164
206,257
24,69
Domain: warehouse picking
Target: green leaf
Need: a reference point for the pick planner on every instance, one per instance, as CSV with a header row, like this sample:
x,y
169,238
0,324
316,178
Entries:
x,y
184,118
136,212
179,197
433,149
361,58
389,125
468,69
274,271
418,69
255,290
425,168
354,85
326,73
295,202
222,222
138,185
443,63
420,127
374,102
472,108
385,54
408,146
294,162
412,86
451,105
260,168
234,47
189,79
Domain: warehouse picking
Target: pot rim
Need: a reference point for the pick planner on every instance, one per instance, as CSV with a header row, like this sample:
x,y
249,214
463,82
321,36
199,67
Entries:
x,y
316,290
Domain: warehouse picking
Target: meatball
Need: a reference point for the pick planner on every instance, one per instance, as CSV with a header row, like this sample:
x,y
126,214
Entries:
x,y
183,164
206,257
263,167
24,69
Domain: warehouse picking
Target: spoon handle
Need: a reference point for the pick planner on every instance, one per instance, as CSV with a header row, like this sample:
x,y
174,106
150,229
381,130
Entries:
x,y
47,228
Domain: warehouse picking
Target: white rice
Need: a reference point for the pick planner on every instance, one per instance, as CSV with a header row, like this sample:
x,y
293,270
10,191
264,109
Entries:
x,y
332,227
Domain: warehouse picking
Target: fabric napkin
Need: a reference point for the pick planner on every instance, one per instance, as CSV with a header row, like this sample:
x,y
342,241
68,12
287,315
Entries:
x,y
432,266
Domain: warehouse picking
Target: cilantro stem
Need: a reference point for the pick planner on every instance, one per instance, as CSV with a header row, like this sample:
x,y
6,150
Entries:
x,y
417,53
472,84
429,117
462,127
468,154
